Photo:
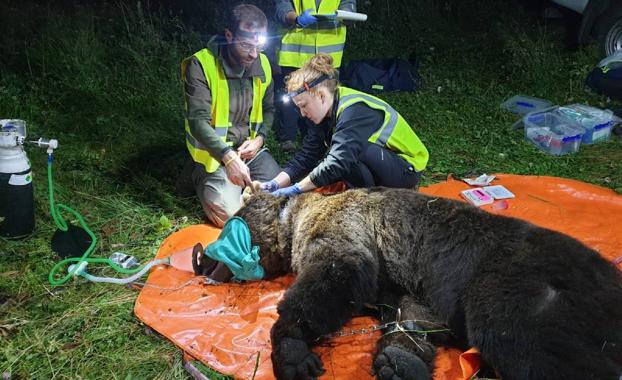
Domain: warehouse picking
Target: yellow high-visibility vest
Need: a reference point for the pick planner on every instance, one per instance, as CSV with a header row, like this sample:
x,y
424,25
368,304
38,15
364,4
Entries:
x,y
394,134
219,89
298,45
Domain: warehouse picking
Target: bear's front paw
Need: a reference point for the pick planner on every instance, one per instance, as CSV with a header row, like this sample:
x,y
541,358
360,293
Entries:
x,y
292,360
394,363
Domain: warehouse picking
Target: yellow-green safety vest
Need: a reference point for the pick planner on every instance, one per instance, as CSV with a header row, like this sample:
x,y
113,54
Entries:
x,y
298,45
219,89
394,134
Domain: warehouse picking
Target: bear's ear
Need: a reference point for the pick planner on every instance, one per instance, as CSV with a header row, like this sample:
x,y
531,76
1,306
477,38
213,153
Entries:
x,y
248,192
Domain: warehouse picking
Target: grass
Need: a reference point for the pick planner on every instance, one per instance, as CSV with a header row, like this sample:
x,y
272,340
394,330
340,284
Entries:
x,y
103,79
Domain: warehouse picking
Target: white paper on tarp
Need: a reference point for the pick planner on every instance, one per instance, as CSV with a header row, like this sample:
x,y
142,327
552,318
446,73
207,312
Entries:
x,y
482,180
498,192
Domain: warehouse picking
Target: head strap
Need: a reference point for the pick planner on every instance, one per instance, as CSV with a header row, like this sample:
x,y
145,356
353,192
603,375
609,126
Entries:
x,y
259,37
307,86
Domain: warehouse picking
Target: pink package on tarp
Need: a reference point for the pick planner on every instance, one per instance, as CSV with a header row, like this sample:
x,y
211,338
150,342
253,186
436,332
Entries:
x,y
477,196
486,195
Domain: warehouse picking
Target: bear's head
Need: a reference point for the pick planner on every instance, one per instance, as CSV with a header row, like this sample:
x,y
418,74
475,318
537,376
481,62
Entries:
x,y
262,212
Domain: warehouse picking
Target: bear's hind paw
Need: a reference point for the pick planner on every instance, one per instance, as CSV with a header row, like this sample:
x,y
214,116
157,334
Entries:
x,y
295,361
394,363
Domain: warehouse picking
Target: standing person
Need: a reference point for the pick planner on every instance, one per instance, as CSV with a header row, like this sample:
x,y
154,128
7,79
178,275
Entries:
x,y
357,138
229,109
304,36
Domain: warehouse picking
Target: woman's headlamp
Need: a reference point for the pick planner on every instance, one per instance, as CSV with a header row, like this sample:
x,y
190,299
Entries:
x,y
305,87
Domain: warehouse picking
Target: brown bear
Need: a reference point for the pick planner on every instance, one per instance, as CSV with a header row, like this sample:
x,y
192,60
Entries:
x,y
537,304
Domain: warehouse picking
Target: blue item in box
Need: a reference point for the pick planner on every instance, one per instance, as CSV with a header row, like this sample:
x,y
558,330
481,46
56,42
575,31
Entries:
x,y
598,133
553,133
596,122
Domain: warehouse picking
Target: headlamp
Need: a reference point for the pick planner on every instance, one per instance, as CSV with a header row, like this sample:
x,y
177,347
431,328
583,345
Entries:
x,y
260,38
305,87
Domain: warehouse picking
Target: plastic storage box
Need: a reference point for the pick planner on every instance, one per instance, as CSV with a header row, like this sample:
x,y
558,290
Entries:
x,y
552,133
596,122
522,104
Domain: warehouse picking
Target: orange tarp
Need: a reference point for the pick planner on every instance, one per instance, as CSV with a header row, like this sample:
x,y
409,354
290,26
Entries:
x,y
228,326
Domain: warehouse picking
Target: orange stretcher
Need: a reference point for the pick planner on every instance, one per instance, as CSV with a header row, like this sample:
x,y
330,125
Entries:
x,y
227,327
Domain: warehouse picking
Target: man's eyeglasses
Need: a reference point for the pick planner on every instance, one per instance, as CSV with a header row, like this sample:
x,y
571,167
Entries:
x,y
249,47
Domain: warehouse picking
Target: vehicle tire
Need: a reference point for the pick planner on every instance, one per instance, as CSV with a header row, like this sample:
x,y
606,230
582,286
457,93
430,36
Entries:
x,y
609,30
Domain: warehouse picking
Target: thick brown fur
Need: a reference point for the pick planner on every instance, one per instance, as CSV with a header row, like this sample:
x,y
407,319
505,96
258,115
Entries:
x,y
537,304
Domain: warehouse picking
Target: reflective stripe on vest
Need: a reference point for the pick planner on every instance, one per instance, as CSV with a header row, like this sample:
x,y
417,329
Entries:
x,y
394,134
219,90
298,45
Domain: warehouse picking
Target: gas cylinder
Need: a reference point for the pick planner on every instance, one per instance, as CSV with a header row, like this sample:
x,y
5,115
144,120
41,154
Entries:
x,y
17,207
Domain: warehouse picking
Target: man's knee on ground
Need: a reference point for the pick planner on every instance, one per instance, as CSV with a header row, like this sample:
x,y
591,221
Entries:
x,y
219,198
217,215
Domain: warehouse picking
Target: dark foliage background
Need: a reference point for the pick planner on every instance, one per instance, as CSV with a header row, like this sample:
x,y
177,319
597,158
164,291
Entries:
x,y
103,78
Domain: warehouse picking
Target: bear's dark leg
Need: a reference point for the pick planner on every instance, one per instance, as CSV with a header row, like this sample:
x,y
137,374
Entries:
x,y
407,349
324,297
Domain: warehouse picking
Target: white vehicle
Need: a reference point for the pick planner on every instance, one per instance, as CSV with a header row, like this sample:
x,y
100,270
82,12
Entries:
x,y
601,20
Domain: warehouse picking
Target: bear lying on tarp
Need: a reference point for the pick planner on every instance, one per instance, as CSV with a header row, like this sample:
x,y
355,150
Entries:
x,y
536,303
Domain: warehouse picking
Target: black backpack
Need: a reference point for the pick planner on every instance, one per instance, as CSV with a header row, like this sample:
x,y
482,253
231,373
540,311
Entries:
x,y
381,75
606,78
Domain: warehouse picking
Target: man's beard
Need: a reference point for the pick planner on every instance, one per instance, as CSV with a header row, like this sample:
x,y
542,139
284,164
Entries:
x,y
237,60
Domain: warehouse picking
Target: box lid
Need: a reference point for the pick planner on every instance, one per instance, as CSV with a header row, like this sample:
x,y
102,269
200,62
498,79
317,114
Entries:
x,y
522,104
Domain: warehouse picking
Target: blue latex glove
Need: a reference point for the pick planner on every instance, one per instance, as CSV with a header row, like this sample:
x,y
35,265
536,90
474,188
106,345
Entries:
x,y
306,19
269,186
289,191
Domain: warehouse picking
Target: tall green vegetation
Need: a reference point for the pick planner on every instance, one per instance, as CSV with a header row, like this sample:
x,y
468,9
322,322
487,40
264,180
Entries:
x,y
103,78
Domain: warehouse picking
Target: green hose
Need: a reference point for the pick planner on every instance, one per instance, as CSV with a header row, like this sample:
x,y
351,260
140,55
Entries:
x,y
62,225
